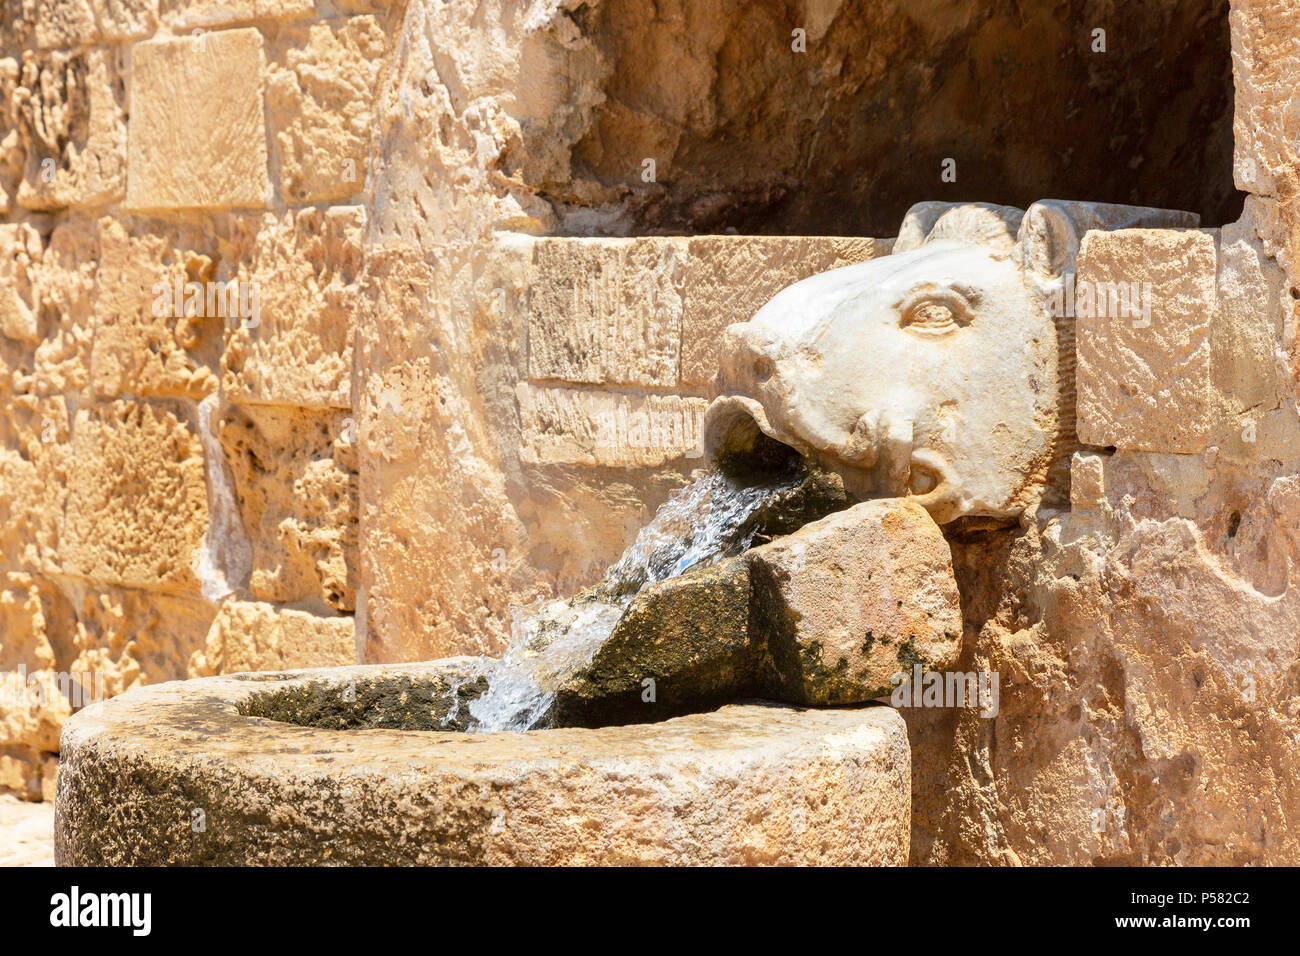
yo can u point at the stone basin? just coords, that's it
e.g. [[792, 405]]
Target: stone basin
[[187, 773]]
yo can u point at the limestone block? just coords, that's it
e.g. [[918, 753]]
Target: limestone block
[[137, 499], [145, 345], [13, 155], [252, 636], [1254, 414], [1087, 482], [295, 479], [1143, 381], [590, 427], [189, 15], [606, 311], [74, 23], [437, 421], [62, 360], [1264, 121], [729, 278], [304, 267], [855, 599], [70, 109], [35, 457], [46, 325], [320, 87], [181, 154]]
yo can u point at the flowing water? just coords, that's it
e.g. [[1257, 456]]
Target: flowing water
[[707, 520]]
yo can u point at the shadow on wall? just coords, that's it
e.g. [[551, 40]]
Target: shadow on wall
[[748, 134]]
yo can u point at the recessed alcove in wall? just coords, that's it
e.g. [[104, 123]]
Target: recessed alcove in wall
[[748, 134]]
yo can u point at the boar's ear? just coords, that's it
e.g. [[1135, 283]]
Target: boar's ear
[[979, 223], [1053, 228], [918, 222]]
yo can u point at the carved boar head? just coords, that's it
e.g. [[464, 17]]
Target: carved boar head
[[938, 371]]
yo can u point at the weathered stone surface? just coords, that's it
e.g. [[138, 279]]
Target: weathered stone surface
[[131, 636], [70, 109], [1143, 379], [253, 636], [189, 15], [729, 278], [35, 462], [1111, 744], [1254, 412], [1087, 482], [607, 311], [304, 267], [144, 346], [1263, 125], [65, 643], [36, 623], [853, 600], [137, 500], [182, 157], [569, 426], [73, 23], [21, 249], [320, 86], [744, 785], [295, 478], [46, 308]]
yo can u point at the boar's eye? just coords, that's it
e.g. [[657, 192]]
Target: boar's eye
[[936, 314]]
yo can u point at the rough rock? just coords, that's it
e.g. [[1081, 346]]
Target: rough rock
[[294, 473], [35, 624], [320, 87], [46, 346], [71, 112], [851, 603], [297, 350], [144, 346], [689, 636], [137, 504]]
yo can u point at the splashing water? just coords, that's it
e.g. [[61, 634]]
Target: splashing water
[[709, 519]]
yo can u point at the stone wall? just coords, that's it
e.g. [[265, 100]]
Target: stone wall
[[178, 483]]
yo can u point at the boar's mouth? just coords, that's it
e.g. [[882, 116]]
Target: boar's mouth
[[742, 443]]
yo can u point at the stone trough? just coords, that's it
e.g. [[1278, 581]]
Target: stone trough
[[333, 766]]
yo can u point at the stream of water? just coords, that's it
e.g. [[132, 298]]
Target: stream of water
[[701, 523]]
